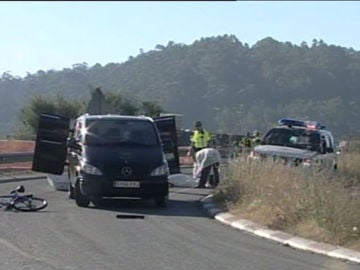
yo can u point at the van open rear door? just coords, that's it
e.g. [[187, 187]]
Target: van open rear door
[[50, 146], [167, 128]]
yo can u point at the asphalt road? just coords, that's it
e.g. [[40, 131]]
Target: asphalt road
[[134, 234]]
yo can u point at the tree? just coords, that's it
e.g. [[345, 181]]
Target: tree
[[151, 108], [29, 116], [119, 105]]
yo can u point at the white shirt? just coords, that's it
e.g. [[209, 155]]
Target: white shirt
[[206, 157]]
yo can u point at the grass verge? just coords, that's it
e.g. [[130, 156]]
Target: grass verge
[[316, 204]]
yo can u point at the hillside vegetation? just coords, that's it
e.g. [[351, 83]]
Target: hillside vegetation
[[231, 86]]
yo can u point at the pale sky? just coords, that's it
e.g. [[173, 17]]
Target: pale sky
[[58, 34]]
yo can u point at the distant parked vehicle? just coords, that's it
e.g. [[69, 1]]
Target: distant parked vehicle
[[298, 143]]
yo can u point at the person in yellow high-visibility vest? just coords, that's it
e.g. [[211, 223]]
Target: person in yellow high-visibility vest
[[256, 139], [199, 140]]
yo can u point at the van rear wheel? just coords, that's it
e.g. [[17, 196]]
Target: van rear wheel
[[80, 199]]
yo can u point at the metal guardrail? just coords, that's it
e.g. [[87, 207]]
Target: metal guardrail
[[28, 156], [16, 157]]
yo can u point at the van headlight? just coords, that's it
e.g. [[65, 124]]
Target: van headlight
[[90, 169], [161, 170]]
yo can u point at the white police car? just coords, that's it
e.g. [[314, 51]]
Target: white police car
[[298, 142]]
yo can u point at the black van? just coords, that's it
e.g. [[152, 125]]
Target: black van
[[109, 155]]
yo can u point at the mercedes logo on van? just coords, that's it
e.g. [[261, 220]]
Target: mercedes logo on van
[[126, 171]]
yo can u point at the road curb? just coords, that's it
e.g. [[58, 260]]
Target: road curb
[[17, 178], [278, 236]]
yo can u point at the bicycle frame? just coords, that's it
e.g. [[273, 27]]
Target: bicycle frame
[[9, 200], [8, 203], [12, 197]]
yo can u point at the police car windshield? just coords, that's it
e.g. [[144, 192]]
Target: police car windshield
[[113, 131], [296, 138]]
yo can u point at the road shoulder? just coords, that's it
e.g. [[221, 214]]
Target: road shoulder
[[285, 239]]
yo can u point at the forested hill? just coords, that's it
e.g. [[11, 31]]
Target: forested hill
[[230, 86]]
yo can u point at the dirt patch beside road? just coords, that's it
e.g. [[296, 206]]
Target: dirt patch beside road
[[11, 146], [14, 146]]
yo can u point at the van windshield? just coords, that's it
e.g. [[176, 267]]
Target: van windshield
[[296, 138], [123, 131]]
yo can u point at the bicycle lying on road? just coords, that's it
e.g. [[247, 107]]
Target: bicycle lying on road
[[24, 203]]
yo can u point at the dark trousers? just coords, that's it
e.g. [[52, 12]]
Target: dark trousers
[[205, 174]]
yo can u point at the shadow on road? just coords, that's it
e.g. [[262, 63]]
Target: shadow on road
[[187, 204]]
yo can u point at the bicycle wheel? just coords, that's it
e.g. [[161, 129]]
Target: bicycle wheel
[[29, 204], [5, 200]]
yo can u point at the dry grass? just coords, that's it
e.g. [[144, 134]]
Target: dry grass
[[349, 166], [321, 205]]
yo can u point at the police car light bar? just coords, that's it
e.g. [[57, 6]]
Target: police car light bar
[[292, 122], [300, 123]]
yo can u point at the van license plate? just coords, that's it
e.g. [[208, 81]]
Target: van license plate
[[127, 184]]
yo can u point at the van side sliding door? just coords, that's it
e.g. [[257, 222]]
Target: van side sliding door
[[167, 128], [51, 144]]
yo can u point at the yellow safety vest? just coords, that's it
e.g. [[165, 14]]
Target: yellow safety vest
[[201, 139], [256, 141]]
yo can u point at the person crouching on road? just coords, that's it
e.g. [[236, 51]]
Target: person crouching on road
[[207, 159]]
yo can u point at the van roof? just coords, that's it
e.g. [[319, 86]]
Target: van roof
[[115, 116]]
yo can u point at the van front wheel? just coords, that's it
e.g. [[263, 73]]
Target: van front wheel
[[80, 199]]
